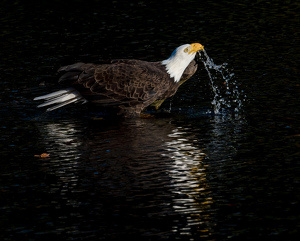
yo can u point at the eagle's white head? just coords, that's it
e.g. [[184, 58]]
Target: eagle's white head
[[180, 59]]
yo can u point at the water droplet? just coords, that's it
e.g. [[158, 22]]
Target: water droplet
[[226, 92]]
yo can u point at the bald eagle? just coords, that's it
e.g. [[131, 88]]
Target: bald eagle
[[127, 85]]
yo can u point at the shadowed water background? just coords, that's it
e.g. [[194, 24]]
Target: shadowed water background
[[187, 174]]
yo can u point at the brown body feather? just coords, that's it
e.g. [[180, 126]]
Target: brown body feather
[[128, 85]]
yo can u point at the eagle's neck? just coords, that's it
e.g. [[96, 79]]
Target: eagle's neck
[[175, 65]]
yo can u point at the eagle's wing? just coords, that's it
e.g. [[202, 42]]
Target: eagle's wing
[[131, 82]]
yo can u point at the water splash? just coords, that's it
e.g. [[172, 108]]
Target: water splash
[[227, 95]]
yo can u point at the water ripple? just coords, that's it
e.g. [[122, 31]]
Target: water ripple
[[164, 179]]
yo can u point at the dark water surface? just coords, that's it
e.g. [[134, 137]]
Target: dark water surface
[[184, 175]]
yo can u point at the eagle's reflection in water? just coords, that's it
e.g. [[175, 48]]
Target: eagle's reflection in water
[[143, 177]]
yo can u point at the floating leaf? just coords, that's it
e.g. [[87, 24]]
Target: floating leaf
[[43, 155]]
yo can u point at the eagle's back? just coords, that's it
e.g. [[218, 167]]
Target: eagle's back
[[130, 85]]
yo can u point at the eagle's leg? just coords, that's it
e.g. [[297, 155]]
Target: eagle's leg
[[146, 116], [156, 104]]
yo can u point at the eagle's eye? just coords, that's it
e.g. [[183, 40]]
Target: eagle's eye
[[186, 50]]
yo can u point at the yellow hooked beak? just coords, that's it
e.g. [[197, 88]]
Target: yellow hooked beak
[[196, 47]]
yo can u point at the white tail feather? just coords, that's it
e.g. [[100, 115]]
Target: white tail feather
[[63, 104], [54, 94], [60, 98]]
